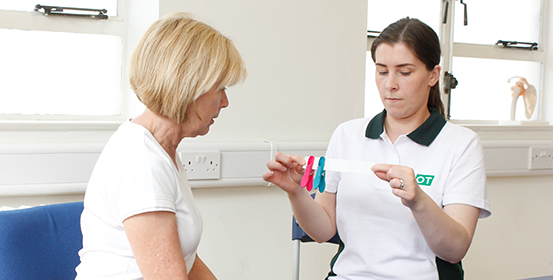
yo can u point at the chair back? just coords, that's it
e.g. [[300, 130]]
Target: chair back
[[299, 236], [40, 242]]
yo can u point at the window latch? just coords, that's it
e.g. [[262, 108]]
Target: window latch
[[465, 17], [372, 33], [446, 10], [450, 82], [517, 45], [60, 11]]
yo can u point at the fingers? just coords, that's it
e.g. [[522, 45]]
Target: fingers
[[285, 171], [381, 167], [397, 183], [276, 166], [289, 160], [388, 172], [399, 177], [267, 176], [284, 162]]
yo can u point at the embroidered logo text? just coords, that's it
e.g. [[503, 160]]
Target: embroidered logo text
[[424, 180]]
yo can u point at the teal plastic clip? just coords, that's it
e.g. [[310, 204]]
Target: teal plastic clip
[[319, 179]]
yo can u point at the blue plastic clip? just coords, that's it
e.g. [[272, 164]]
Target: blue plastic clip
[[319, 180]]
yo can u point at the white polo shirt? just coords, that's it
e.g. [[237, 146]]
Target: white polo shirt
[[381, 238], [133, 175]]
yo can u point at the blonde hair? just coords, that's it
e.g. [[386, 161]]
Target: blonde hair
[[177, 60]]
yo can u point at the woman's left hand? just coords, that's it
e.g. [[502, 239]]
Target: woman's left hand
[[456, 222], [402, 180]]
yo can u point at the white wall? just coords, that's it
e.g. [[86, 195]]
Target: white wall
[[546, 113], [306, 63], [306, 74], [515, 242]]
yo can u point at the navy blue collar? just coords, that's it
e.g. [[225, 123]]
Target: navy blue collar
[[424, 134]]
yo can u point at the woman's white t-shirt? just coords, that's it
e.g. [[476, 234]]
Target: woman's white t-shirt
[[133, 175], [381, 238]]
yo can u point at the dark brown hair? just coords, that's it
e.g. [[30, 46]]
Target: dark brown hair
[[422, 41]]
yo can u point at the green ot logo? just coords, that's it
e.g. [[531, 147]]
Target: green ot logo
[[424, 180]]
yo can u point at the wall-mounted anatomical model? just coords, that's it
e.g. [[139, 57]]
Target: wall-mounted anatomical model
[[528, 93]]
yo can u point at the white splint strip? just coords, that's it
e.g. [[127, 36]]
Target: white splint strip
[[343, 165]]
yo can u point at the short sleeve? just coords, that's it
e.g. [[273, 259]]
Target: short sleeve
[[332, 178], [466, 183], [148, 184]]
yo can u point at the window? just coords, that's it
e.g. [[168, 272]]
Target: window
[[26, 5], [58, 67], [471, 54]]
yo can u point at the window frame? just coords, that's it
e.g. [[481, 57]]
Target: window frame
[[494, 52], [36, 21], [452, 49]]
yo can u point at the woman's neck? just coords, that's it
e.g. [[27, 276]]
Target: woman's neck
[[403, 126], [167, 133]]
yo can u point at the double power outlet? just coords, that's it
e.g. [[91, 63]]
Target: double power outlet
[[541, 158], [202, 165]]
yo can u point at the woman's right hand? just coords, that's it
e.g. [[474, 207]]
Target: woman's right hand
[[317, 217], [286, 172]]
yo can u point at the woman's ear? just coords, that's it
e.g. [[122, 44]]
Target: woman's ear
[[435, 75]]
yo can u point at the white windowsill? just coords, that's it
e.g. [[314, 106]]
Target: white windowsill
[[57, 125]]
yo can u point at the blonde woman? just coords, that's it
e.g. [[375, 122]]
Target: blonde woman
[[140, 220]]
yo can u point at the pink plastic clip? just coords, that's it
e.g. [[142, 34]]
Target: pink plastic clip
[[307, 179]]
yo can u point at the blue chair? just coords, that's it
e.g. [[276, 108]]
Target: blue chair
[[299, 236], [40, 242]]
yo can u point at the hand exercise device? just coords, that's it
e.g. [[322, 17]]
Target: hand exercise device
[[316, 167]]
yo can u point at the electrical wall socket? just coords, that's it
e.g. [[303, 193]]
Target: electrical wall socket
[[541, 158], [201, 165]]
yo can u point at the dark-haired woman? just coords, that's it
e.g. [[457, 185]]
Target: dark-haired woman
[[419, 210]]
